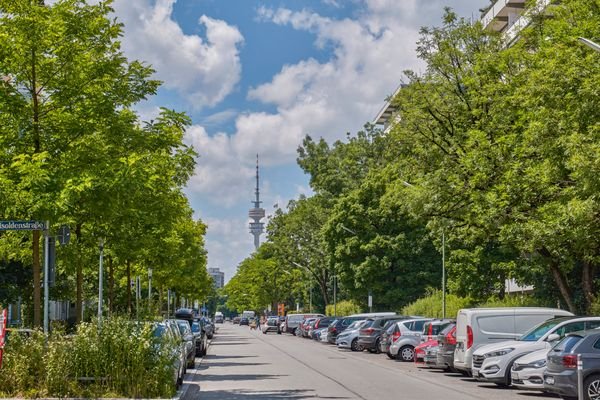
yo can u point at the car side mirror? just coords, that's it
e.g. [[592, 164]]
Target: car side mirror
[[553, 337]]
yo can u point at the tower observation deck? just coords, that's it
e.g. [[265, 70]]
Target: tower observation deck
[[257, 213]]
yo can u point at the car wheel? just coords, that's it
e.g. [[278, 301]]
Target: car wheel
[[278, 332], [377, 346], [390, 355], [209, 336], [265, 332], [591, 387], [406, 353], [354, 346]]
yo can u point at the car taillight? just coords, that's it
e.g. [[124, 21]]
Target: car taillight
[[367, 331], [570, 361], [451, 336], [430, 331], [396, 335], [469, 336]]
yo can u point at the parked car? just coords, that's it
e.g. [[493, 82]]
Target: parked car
[[305, 326], [317, 333], [476, 327], [200, 339], [370, 334], [272, 325], [386, 338], [208, 326], [446, 346], [173, 345], [293, 320], [405, 337], [244, 321], [339, 325], [188, 339], [561, 369], [219, 317], [493, 362], [421, 349], [428, 349], [349, 338], [236, 320], [527, 372], [321, 323]]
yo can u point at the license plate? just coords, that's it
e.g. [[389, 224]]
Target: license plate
[[550, 380]]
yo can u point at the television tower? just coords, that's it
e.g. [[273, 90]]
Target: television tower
[[256, 214]]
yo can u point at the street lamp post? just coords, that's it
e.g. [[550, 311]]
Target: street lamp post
[[334, 294], [589, 43], [100, 280]]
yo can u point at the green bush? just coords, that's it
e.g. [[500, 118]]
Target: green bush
[[513, 301], [431, 305], [345, 307], [122, 359]]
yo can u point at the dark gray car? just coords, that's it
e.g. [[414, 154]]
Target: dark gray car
[[446, 346], [561, 368], [370, 334]]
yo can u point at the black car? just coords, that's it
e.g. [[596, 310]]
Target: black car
[[244, 321], [338, 326], [200, 338], [370, 333], [561, 367]]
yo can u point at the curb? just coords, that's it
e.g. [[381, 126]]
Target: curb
[[181, 393]]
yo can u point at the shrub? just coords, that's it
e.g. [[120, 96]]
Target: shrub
[[121, 359], [513, 301], [431, 305], [345, 307]]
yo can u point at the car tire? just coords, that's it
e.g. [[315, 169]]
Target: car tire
[[377, 346], [390, 355], [354, 346], [406, 353], [278, 332], [591, 386]]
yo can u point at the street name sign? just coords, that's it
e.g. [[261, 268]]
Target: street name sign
[[22, 225]]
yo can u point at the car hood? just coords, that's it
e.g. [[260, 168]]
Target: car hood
[[533, 357], [519, 346]]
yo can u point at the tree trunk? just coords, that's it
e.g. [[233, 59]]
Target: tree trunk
[[79, 283], [587, 283], [559, 279], [37, 314], [129, 309]]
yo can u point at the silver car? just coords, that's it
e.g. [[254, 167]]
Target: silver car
[[348, 339], [405, 337]]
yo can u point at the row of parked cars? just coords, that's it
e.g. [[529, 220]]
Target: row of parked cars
[[189, 334], [530, 348]]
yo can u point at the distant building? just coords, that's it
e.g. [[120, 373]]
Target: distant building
[[217, 276], [508, 17]]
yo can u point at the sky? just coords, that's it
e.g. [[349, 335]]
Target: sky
[[257, 76]]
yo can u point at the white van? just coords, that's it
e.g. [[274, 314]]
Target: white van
[[478, 326]]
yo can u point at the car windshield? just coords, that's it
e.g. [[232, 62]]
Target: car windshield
[[159, 330], [535, 333]]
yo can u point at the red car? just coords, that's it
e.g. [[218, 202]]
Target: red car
[[421, 349]]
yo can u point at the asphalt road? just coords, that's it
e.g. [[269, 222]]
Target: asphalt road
[[245, 364]]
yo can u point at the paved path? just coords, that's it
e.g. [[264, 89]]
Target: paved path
[[244, 364]]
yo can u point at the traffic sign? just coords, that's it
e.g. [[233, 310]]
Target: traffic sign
[[22, 225]]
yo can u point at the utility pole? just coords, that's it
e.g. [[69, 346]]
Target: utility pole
[[100, 280], [46, 263]]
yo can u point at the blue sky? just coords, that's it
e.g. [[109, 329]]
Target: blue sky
[[256, 76]]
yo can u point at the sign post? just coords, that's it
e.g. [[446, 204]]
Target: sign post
[[3, 323]]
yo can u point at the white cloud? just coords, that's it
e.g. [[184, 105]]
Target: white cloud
[[220, 117], [204, 70]]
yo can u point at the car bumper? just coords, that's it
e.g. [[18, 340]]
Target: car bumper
[[344, 342], [528, 379], [564, 383], [367, 342]]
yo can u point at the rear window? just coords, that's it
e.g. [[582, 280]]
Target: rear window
[[447, 329], [419, 325], [567, 344], [437, 328]]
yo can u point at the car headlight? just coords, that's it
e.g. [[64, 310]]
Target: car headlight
[[539, 363], [498, 353]]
